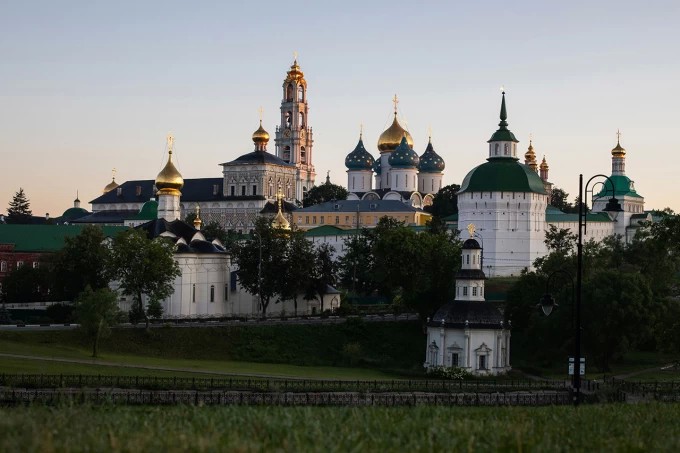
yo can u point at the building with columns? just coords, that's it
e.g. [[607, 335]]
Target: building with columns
[[469, 333]]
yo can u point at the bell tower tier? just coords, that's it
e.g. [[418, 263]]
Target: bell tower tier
[[293, 135]]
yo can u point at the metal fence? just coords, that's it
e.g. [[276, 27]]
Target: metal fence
[[50, 381], [659, 390], [193, 397]]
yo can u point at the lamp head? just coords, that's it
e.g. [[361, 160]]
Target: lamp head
[[547, 304], [613, 208]]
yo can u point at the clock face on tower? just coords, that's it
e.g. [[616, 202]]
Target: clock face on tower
[[286, 133]]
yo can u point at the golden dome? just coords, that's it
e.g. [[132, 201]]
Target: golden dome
[[169, 180], [618, 151], [260, 135], [544, 164], [110, 186], [390, 139], [294, 73]]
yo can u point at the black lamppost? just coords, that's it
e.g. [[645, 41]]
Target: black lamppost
[[612, 207]]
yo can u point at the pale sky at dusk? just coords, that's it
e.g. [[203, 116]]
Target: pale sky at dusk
[[86, 86]]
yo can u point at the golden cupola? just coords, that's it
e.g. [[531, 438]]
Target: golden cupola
[[530, 157], [113, 184], [294, 73], [544, 164], [618, 150], [261, 138], [391, 138], [169, 181]]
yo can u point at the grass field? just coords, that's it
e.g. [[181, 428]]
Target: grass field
[[642, 427]]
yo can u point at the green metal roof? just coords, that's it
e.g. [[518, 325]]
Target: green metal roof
[[45, 238], [502, 175], [554, 215], [329, 230], [149, 211], [451, 218], [623, 186]]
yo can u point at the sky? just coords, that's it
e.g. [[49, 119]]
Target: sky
[[88, 86]]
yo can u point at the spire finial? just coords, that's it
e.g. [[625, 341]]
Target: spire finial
[[197, 220], [618, 136], [429, 133], [295, 55], [361, 131], [171, 142], [328, 177], [504, 113], [113, 174], [260, 112], [395, 100]]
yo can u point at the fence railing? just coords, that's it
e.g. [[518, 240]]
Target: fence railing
[[48, 381], [661, 390], [194, 397]]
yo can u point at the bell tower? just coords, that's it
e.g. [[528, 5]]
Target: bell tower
[[293, 135]]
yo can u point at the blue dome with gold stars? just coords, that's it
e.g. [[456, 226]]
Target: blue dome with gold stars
[[430, 161], [359, 159], [377, 166], [403, 156]]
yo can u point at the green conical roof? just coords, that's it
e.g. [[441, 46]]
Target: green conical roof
[[503, 134]]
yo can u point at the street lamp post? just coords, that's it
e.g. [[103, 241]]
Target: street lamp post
[[613, 207]]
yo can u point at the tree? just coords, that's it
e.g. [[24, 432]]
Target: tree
[[445, 202], [19, 208], [324, 273], [143, 266], [96, 311], [324, 192], [558, 199], [262, 276], [298, 264], [82, 262], [26, 284]]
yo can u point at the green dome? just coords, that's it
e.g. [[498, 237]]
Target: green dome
[[74, 213], [623, 186], [149, 211], [430, 161], [377, 166], [502, 175], [403, 156], [359, 159]]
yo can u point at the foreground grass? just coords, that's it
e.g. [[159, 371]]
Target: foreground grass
[[643, 427]]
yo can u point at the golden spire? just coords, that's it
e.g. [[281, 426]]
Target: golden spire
[[112, 185], [618, 150], [169, 181], [197, 221], [280, 220]]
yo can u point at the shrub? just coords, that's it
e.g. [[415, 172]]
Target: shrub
[[449, 373]]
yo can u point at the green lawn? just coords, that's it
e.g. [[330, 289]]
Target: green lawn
[[13, 365], [640, 427]]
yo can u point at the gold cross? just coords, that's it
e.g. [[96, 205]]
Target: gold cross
[[260, 111], [429, 132], [618, 135], [171, 140], [113, 174], [395, 100]]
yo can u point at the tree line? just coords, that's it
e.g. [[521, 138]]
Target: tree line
[[631, 296]]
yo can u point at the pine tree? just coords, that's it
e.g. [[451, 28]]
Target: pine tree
[[19, 210]]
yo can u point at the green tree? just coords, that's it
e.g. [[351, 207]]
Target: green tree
[[298, 265], [19, 210], [445, 201], [558, 199], [26, 284], [82, 262], [262, 276], [357, 264], [143, 266], [324, 273], [96, 311], [324, 192]]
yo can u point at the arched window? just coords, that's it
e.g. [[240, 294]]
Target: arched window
[[301, 93], [303, 155], [289, 92], [212, 293], [505, 149], [301, 120], [288, 118], [3, 266], [286, 153], [496, 149], [193, 293]]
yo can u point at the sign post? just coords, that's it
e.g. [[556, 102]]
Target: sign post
[[582, 367]]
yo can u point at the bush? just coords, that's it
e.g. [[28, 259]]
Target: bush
[[449, 373], [60, 313]]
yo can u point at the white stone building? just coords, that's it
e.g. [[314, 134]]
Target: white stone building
[[469, 332]]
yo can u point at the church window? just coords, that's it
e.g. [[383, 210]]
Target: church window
[[396, 181], [301, 120], [314, 220], [455, 360], [271, 190], [482, 362], [346, 219], [496, 149], [337, 220], [353, 180], [193, 293], [474, 290], [226, 293], [3, 266], [307, 220], [254, 189], [322, 219], [19, 264], [289, 92], [288, 119], [464, 290], [286, 153], [481, 291], [233, 278], [505, 149], [467, 259], [301, 93], [243, 190], [501, 195], [35, 264], [212, 293], [233, 191], [303, 155]]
